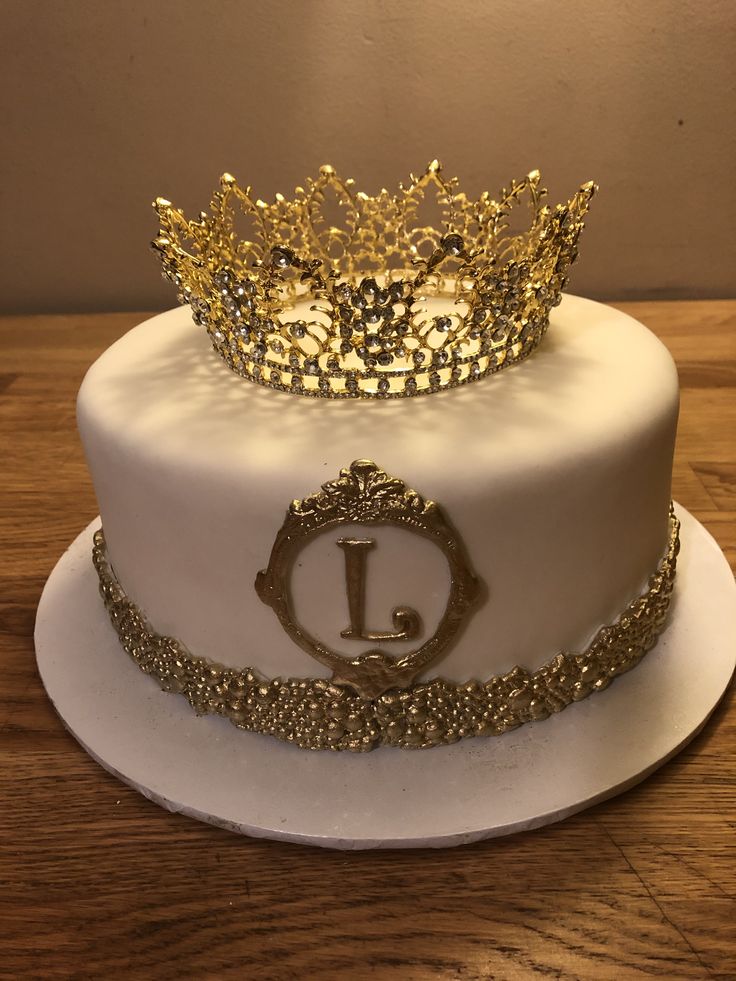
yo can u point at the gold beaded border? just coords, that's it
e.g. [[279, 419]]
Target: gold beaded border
[[318, 714]]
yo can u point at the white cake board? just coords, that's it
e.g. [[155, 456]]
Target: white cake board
[[390, 798]]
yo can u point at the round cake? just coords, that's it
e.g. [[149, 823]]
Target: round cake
[[554, 478], [427, 502]]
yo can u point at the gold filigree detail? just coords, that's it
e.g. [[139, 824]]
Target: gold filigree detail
[[366, 494], [318, 714], [368, 283]]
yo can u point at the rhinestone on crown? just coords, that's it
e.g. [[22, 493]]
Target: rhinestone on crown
[[377, 305]]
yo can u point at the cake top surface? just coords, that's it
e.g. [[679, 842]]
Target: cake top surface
[[163, 389]]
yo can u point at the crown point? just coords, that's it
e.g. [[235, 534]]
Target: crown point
[[534, 176], [326, 170], [161, 204], [435, 167], [227, 180]]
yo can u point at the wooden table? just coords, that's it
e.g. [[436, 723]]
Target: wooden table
[[99, 883]]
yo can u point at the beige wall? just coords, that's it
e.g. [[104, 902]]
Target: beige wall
[[104, 105]]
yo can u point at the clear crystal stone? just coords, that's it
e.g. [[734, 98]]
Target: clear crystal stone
[[443, 324], [383, 386], [311, 366], [369, 289], [385, 358], [371, 315], [419, 357], [452, 244], [298, 329], [281, 257], [410, 385]]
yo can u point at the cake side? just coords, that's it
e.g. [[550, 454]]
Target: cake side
[[555, 476]]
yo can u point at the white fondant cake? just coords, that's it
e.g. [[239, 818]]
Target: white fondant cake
[[555, 474]]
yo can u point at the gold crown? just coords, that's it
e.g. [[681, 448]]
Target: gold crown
[[379, 306]]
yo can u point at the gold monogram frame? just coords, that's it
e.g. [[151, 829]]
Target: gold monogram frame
[[365, 494]]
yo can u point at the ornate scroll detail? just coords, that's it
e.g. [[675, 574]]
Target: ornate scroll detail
[[366, 494], [318, 714]]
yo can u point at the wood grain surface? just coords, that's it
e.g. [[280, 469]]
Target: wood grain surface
[[97, 882]]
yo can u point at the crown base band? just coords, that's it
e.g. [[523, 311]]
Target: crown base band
[[319, 714]]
